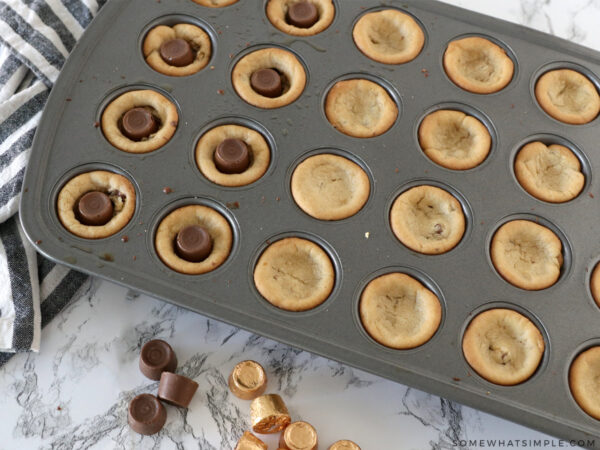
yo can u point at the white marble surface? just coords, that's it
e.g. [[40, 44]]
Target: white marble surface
[[74, 393]]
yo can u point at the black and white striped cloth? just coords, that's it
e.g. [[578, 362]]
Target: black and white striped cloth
[[36, 37]]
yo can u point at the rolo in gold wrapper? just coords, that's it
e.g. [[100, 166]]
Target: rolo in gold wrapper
[[344, 445], [299, 436], [269, 414], [247, 380], [250, 442]]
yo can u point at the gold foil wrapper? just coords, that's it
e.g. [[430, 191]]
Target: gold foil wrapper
[[250, 442], [344, 445], [299, 436], [268, 414], [247, 380]]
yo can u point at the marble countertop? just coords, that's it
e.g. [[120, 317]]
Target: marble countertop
[[74, 393]]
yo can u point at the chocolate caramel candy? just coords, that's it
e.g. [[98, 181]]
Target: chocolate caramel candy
[[177, 52], [232, 156], [268, 414], [146, 414], [299, 436], [94, 208], [250, 442], [247, 380], [193, 243], [138, 123], [157, 357], [176, 389], [267, 82], [303, 14]]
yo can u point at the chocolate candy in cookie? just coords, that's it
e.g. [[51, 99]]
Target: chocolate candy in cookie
[[94, 208], [157, 357], [193, 243], [302, 14], [146, 414], [232, 156], [138, 123], [267, 82], [177, 52]]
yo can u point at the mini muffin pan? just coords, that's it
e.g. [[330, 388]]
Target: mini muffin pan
[[108, 61]]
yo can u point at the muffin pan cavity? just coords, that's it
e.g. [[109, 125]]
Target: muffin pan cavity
[[261, 211]]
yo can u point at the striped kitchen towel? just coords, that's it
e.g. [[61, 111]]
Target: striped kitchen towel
[[36, 37]]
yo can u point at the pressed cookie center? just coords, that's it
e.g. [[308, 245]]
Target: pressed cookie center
[[387, 37], [505, 347], [454, 137], [94, 208], [400, 312], [193, 243], [232, 156], [302, 14], [139, 123], [267, 82], [571, 96], [177, 52], [477, 64]]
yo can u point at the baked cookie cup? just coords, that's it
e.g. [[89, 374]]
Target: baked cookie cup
[[185, 230], [232, 155], [301, 17], [294, 274], [215, 3], [177, 51], [551, 173], [269, 78], [139, 121], [428, 219], [454, 140], [360, 108], [568, 96], [527, 255], [595, 284], [478, 65], [503, 346], [399, 312], [330, 187], [584, 376], [388, 36], [96, 205]]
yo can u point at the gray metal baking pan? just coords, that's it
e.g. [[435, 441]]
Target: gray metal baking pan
[[108, 61]]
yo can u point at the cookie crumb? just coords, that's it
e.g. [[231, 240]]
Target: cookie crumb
[[167, 190], [233, 205], [96, 124], [124, 238], [68, 99], [134, 257], [367, 234], [278, 198], [220, 92], [591, 195], [38, 242], [58, 408], [397, 170], [456, 378], [425, 72], [212, 67]]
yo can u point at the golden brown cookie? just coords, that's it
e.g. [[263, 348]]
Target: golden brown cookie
[[360, 108], [454, 139], [389, 36], [399, 312], [197, 39], [212, 221], [595, 284], [162, 110], [294, 274], [330, 187], [550, 173], [216, 3], [293, 76], [277, 12], [260, 155], [527, 255], [344, 445], [584, 381], [427, 219], [503, 346], [478, 65], [568, 96], [119, 190]]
